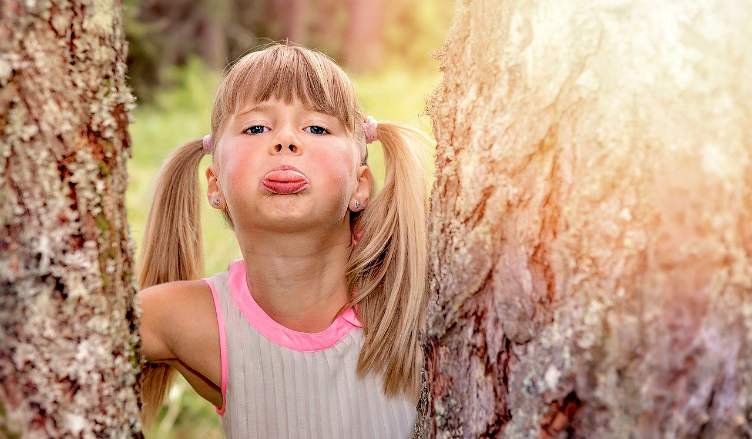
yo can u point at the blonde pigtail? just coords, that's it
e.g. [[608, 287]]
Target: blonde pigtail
[[172, 250], [389, 269]]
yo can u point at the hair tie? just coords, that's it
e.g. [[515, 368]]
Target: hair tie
[[207, 143], [370, 128]]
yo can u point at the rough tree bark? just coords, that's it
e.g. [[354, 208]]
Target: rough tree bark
[[68, 352], [592, 221]]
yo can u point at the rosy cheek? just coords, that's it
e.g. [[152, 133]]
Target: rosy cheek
[[239, 173], [337, 170]]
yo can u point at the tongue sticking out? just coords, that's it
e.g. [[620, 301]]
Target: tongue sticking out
[[285, 187], [285, 182]]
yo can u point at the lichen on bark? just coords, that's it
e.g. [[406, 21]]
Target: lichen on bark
[[68, 350], [590, 221]]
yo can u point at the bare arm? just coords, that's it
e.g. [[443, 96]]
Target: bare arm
[[178, 326], [154, 325]]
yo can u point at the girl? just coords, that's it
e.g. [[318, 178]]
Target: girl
[[315, 331]]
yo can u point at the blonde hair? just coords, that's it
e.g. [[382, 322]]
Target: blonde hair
[[386, 272]]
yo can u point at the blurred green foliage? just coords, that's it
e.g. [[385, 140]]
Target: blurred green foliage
[[181, 113], [165, 33]]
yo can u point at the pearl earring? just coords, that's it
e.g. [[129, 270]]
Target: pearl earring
[[215, 202]]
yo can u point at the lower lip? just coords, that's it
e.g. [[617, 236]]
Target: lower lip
[[285, 187]]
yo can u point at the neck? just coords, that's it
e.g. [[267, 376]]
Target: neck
[[298, 279]]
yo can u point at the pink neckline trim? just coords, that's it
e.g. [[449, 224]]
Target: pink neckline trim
[[278, 333]]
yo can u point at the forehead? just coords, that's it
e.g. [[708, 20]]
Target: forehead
[[272, 105]]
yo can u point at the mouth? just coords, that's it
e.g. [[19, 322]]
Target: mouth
[[284, 181]]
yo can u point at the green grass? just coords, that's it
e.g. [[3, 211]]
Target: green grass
[[181, 114]]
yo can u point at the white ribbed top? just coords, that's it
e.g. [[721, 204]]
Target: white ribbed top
[[280, 383]]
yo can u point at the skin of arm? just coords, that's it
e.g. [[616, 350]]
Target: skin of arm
[[178, 326]]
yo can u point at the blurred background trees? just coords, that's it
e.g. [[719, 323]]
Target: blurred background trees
[[360, 35], [177, 51]]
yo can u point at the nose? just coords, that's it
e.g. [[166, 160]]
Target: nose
[[286, 142], [291, 147]]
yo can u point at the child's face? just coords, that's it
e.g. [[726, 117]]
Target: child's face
[[255, 142]]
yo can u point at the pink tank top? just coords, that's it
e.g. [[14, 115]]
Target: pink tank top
[[281, 383]]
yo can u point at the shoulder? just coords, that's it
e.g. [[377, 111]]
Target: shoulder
[[174, 314]]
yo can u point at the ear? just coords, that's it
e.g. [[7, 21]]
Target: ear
[[362, 193], [362, 188], [213, 191]]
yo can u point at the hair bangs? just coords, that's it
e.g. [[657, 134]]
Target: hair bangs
[[287, 73]]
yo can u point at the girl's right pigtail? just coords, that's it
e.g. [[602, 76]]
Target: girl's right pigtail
[[171, 250], [388, 267]]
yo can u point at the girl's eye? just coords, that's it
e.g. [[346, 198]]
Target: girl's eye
[[254, 129], [315, 129], [259, 129]]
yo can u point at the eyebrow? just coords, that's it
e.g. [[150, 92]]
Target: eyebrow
[[257, 107], [263, 106]]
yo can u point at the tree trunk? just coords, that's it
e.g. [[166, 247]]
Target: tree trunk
[[364, 34], [291, 19], [212, 37], [592, 221], [68, 349]]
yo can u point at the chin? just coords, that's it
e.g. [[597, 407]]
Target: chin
[[292, 202], [286, 208]]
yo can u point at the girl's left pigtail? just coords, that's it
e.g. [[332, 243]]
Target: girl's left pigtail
[[171, 250]]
